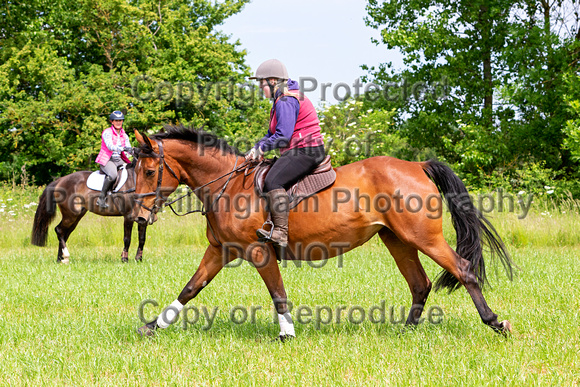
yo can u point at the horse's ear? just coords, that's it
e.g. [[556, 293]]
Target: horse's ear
[[144, 140]]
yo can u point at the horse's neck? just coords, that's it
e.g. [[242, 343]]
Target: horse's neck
[[199, 168]]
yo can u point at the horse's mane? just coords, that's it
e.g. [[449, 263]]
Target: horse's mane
[[205, 139]]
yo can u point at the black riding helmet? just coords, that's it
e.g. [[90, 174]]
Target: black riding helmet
[[116, 115]]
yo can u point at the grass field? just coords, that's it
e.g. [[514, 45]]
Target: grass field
[[75, 324]]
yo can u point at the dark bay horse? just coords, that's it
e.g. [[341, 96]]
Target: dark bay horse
[[400, 201], [74, 199]]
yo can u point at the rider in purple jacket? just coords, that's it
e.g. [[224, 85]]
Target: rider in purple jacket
[[295, 129]]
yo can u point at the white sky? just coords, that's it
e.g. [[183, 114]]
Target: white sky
[[324, 39]]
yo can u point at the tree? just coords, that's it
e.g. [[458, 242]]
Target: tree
[[503, 62], [64, 66]]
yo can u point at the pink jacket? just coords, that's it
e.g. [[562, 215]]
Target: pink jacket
[[120, 140]]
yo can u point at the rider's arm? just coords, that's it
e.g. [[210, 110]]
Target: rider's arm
[[108, 138], [286, 115]]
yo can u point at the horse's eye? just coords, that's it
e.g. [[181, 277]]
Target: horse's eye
[[150, 172]]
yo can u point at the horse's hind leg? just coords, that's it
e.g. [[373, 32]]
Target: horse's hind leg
[[461, 269], [63, 230], [410, 266]]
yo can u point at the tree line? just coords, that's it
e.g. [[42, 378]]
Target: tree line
[[507, 114]]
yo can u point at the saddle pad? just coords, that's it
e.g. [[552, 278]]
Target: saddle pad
[[322, 177], [97, 178]]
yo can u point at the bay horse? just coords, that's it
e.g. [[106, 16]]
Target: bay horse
[[401, 201], [74, 199]]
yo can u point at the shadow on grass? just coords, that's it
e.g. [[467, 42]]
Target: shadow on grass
[[266, 331]]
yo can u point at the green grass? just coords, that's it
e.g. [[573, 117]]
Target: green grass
[[75, 324]]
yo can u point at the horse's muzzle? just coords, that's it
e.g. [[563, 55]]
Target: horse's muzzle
[[146, 221]]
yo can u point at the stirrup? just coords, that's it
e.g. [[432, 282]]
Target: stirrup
[[261, 237], [102, 203]]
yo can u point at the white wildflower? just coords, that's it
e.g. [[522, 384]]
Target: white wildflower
[[521, 192], [549, 192]]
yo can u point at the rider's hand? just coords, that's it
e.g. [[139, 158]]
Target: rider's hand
[[128, 149], [255, 154]]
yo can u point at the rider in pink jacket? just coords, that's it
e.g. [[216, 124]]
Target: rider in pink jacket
[[114, 143]]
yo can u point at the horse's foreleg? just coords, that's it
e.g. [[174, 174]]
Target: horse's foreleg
[[264, 259], [410, 266], [142, 228], [128, 230], [211, 263]]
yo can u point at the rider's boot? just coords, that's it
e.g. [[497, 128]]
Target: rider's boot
[[107, 185], [278, 203]]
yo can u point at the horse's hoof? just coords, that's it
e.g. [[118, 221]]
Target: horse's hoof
[[139, 259], [506, 327], [124, 260], [124, 257], [283, 338], [64, 261], [146, 331]]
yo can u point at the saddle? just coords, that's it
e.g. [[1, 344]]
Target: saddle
[[322, 177], [96, 179]]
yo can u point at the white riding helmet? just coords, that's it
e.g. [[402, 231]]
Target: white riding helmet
[[271, 68]]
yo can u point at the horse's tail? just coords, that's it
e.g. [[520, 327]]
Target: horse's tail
[[473, 230], [45, 213]]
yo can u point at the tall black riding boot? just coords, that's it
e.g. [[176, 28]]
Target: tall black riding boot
[[278, 203], [107, 185]]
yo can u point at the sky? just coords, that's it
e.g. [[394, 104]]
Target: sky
[[323, 39]]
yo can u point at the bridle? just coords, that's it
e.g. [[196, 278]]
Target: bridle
[[159, 198], [158, 194]]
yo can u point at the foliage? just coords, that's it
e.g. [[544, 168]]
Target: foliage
[[354, 131], [64, 66], [572, 128], [495, 74]]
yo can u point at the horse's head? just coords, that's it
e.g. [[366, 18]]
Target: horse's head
[[155, 179]]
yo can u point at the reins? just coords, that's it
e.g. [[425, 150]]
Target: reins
[[159, 196], [203, 211]]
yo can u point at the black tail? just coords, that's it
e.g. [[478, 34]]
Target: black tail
[[45, 213], [474, 231]]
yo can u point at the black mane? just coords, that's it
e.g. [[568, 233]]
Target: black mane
[[205, 139]]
